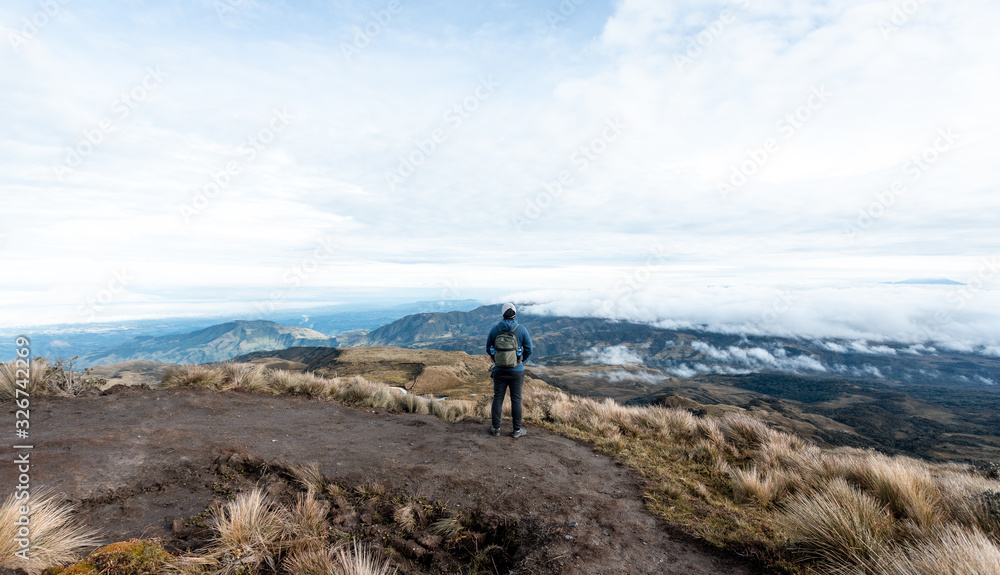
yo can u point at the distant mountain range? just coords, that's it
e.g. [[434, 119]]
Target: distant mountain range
[[215, 343], [67, 340], [633, 359], [646, 354]]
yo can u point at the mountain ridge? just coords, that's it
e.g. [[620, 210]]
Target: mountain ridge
[[214, 343]]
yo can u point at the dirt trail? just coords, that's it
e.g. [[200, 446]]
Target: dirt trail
[[136, 459]]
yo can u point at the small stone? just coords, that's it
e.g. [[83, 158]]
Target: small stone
[[568, 537], [409, 549], [572, 524], [430, 541]]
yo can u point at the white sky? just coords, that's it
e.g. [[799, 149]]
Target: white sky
[[691, 90]]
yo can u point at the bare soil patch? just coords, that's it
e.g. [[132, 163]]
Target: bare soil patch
[[149, 463]]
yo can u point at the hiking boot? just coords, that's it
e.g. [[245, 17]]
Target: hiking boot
[[519, 433], [494, 431]]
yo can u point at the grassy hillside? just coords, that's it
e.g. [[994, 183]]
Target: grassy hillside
[[930, 422]]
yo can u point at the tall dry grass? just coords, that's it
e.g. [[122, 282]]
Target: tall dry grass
[[337, 561], [951, 551], [355, 390], [256, 534], [838, 525], [307, 522], [55, 537], [193, 376], [843, 510], [12, 372], [251, 532], [309, 477]]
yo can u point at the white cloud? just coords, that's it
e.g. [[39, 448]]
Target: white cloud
[[861, 346], [757, 358], [919, 348], [865, 370], [683, 370], [687, 371], [612, 355], [832, 346], [622, 375]]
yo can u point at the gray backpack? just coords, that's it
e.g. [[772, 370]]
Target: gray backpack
[[508, 353]]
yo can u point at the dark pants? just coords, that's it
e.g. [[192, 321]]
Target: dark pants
[[501, 381]]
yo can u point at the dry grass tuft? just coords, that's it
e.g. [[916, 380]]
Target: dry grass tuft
[[251, 532], [312, 562], [384, 398], [193, 376], [281, 381], [763, 488], [447, 527], [244, 377], [307, 522], [357, 391], [336, 561], [903, 484], [12, 372], [362, 561], [406, 517], [334, 490], [309, 477], [839, 526], [452, 411], [744, 431], [953, 551], [411, 403], [56, 538], [371, 490]]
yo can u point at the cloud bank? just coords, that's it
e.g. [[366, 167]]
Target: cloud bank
[[853, 318]]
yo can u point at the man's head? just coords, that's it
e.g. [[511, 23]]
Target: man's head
[[508, 311]]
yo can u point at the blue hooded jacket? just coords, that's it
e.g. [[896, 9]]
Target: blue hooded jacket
[[523, 339]]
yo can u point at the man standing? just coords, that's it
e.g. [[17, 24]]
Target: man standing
[[509, 345]]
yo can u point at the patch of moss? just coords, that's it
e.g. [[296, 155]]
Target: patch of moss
[[133, 557], [81, 568]]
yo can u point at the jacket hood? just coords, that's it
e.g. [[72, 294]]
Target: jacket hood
[[508, 324]]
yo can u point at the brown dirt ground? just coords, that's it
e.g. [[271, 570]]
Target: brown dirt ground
[[136, 460]]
